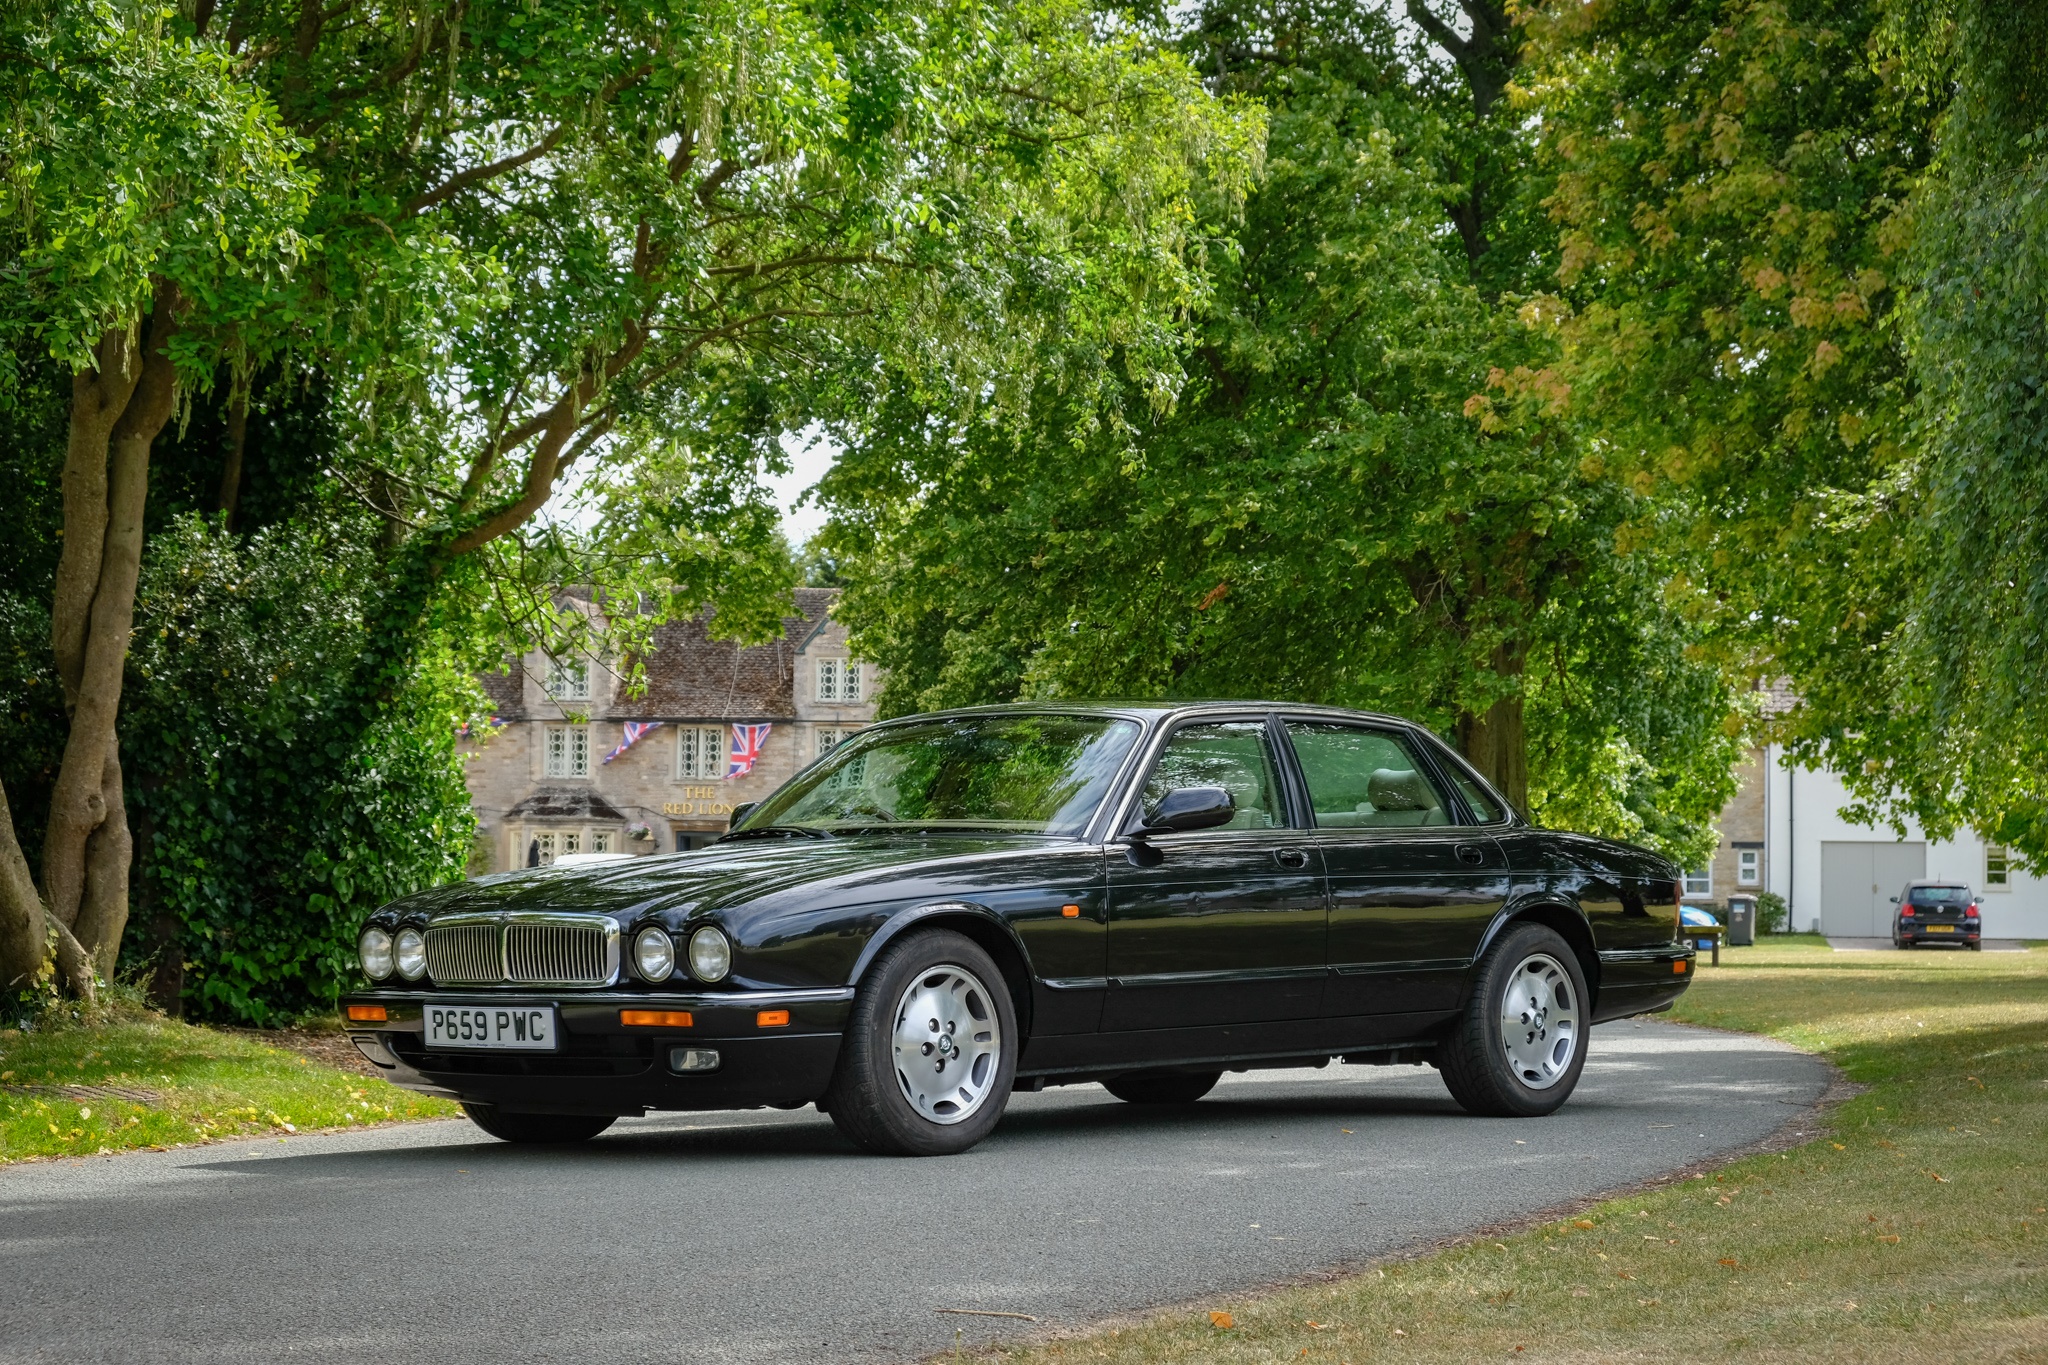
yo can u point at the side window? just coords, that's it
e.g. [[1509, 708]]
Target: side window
[[1364, 779], [1485, 809], [1231, 755]]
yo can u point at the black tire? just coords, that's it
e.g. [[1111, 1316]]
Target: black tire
[[1163, 1087], [1474, 1057], [510, 1125], [1977, 947], [870, 1096]]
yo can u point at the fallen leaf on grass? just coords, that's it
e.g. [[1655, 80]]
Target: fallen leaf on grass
[[1585, 1223], [1582, 1293], [1731, 1261], [1838, 1146], [1937, 1177], [1623, 1275], [1399, 1333], [1892, 1237], [1218, 1318]]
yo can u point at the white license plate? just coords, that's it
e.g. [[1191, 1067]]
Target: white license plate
[[528, 1028]]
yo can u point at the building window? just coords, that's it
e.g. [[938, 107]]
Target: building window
[[828, 740], [546, 844], [1699, 882], [1997, 868], [1748, 866], [601, 841], [568, 751], [572, 843], [838, 680], [700, 752], [569, 679]]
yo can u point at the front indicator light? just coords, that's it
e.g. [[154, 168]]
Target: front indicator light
[[1678, 967], [772, 1019], [654, 954], [693, 1059], [374, 951], [710, 955], [656, 1018], [410, 950], [366, 1014]]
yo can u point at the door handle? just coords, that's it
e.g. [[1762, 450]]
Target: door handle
[[1291, 857], [1471, 853]]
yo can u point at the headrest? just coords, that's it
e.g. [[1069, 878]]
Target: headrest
[[1399, 789]]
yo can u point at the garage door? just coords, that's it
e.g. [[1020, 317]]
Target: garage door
[[1857, 882]]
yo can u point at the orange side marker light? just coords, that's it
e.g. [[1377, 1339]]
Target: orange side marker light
[[1070, 911], [772, 1019], [1678, 967], [367, 1014], [656, 1018]]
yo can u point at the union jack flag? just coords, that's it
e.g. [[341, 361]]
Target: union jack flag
[[634, 729], [746, 747]]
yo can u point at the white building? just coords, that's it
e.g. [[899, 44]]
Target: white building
[[1839, 878]]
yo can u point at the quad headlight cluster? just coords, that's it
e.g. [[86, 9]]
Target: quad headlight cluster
[[709, 956], [381, 952]]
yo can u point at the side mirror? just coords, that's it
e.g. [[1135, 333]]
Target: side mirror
[[1895, 900], [1190, 808], [740, 813]]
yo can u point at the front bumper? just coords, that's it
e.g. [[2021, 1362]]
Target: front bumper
[[604, 1066]]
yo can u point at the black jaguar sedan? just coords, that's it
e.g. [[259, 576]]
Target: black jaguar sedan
[[955, 906]]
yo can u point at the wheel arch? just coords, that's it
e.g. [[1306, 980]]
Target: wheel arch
[[1553, 913], [987, 929]]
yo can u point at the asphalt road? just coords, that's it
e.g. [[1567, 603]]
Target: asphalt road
[[762, 1236]]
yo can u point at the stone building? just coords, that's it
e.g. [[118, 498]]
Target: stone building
[[574, 764]]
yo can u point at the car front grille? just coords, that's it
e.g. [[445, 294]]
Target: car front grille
[[524, 949]]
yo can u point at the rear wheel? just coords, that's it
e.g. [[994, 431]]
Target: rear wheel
[[510, 1125], [1519, 1045], [930, 1051], [1163, 1087]]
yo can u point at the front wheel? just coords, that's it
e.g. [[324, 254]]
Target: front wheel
[[1162, 1087], [930, 1049], [1519, 1044], [512, 1126]]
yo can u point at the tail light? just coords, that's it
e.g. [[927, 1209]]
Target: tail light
[[1971, 913], [1906, 911]]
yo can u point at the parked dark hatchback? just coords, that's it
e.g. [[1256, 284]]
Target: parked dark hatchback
[[1937, 912], [951, 907]]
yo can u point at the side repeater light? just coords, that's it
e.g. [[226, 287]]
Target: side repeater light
[[367, 1014], [1678, 967], [772, 1019], [656, 1018]]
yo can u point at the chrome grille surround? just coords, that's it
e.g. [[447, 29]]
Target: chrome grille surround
[[523, 948]]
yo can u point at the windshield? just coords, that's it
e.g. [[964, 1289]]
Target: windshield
[[1940, 895], [1030, 774]]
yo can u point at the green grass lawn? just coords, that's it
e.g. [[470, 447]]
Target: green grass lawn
[[161, 1083], [1916, 1231]]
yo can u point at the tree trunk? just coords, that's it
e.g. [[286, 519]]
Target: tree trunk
[[24, 945], [1496, 743], [87, 846]]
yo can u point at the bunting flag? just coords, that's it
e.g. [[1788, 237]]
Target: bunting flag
[[746, 747], [462, 730], [634, 729]]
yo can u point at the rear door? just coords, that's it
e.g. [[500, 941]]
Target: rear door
[[1413, 885], [1220, 926]]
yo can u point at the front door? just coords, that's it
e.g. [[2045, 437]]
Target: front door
[[1219, 926], [1412, 888]]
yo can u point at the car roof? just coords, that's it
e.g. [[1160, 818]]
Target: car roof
[[1938, 881], [1154, 709]]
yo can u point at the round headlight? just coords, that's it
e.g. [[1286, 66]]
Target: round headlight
[[710, 955], [654, 954], [411, 952], [374, 948]]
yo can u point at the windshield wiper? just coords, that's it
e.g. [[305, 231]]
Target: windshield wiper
[[776, 831]]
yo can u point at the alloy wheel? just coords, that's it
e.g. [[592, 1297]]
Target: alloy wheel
[[1539, 1021], [947, 1043]]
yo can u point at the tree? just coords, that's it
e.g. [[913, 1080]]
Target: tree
[[542, 236], [150, 198], [1324, 513]]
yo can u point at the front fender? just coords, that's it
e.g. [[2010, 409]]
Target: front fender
[[915, 916]]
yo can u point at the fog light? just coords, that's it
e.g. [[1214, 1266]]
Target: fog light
[[374, 950], [654, 954], [710, 955], [693, 1059], [411, 952]]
